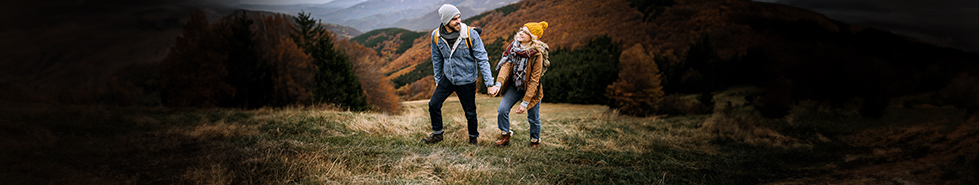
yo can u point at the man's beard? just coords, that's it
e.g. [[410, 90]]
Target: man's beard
[[454, 27]]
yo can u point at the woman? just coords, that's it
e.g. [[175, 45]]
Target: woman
[[519, 80]]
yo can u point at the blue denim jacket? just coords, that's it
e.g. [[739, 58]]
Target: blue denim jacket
[[461, 68]]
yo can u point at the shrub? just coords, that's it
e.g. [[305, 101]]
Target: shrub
[[677, 104], [962, 92], [749, 129]]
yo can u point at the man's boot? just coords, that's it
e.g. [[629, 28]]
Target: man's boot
[[432, 138]]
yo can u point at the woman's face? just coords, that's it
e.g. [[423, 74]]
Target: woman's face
[[523, 35]]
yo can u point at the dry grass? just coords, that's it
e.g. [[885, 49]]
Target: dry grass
[[384, 125], [749, 129], [322, 145], [220, 129], [302, 145]]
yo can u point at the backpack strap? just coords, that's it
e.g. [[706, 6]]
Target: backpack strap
[[435, 36], [469, 37], [469, 43]]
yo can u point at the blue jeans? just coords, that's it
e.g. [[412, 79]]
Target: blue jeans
[[510, 97], [467, 96]]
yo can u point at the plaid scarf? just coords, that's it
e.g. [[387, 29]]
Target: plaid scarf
[[518, 57]]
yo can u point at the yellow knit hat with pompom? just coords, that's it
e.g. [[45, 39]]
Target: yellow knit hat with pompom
[[536, 28]]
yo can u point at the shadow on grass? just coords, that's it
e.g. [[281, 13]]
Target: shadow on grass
[[107, 145]]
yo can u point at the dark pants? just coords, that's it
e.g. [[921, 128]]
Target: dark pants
[[467, 96]]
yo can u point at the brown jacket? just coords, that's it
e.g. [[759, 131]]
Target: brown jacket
[[534, 92]]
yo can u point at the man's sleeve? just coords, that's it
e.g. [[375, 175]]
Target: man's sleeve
[[482, 59], [436, 59]]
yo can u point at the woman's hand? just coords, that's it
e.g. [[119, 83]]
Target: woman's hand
[[493, 90], [521, 109]]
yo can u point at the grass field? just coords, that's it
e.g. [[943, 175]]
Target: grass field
[[45, 144]]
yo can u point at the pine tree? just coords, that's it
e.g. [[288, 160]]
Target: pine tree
[[306, 30], [250, 76], [336, 81]]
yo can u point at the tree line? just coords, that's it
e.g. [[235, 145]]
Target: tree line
[[251, 61]]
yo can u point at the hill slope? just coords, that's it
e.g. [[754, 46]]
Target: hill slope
[[795, 53], [388, 42]]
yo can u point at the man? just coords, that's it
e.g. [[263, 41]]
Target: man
[[457, 54]]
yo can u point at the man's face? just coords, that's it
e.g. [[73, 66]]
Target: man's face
[[456, 23]]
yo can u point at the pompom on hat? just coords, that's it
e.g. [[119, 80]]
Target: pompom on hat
[[536, 28]]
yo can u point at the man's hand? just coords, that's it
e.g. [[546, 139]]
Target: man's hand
[[521, 109], [493, 90]]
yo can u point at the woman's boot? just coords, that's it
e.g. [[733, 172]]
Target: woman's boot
[[504, 139]]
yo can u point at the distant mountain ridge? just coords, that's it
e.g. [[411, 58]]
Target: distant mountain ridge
[[293, 9], [429, 21], [374, 14], [340, 31]]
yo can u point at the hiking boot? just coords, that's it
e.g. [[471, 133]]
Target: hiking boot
[[534, 143], [504, 139], [432, 138], [472, 140]]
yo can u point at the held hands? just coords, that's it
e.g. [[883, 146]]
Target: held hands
[[521, 109], [493, 90]]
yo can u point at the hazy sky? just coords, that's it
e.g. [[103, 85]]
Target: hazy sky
[[282, 2], [950, 23]]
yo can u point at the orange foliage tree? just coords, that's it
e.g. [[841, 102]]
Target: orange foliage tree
[[378, 91], [221, 64], [421, 89], [638, 91], [294, 68], [194, 71]]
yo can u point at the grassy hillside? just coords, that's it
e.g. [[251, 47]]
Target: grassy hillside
[[342, 32], [384, 40], [46, 144], [390, 44], [703, 46]]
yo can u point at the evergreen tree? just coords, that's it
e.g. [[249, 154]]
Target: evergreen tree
[[581, 76], [336, 81], [702, 59], [251, 77], [306, 31]]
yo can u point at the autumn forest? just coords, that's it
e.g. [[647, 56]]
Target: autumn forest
[[637, 92]]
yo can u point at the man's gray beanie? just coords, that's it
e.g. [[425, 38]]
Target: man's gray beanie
[[446, 12]]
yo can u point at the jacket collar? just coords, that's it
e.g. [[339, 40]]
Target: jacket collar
[[464, 32]]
